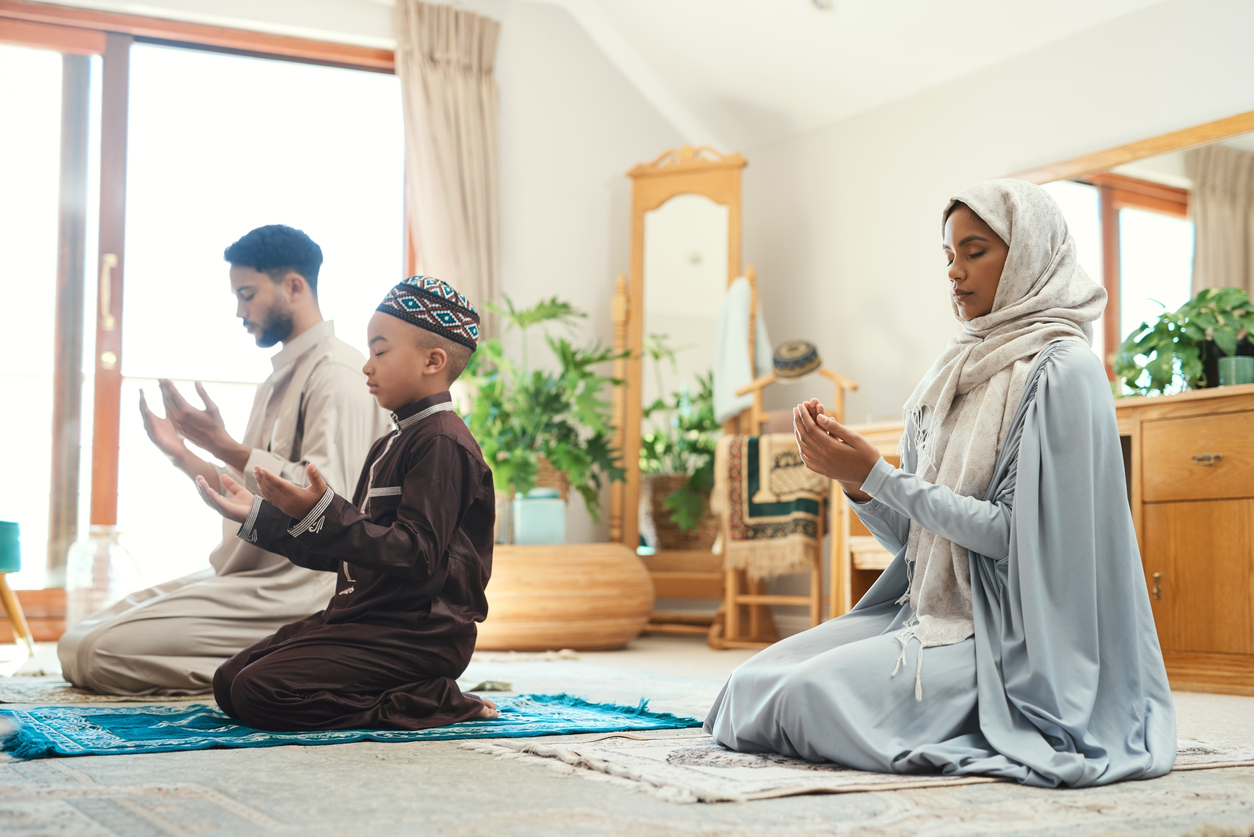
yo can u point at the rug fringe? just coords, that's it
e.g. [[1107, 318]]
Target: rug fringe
[[19, 745]]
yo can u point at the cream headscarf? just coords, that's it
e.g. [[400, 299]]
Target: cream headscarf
[[969, 396]]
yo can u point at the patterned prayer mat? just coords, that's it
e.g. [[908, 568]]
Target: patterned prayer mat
[[53, 691], [692, 768], [77, 731]]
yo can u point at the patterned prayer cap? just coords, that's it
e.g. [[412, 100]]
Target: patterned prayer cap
[[432, 304]]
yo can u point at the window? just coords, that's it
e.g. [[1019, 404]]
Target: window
[[118, 111], [1135, 238], [215, 149]]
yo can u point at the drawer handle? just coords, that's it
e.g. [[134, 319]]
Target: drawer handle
[[1207, 458], [1157, 592]]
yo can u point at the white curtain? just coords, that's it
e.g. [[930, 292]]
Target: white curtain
[[1222, 205], [444, 60]]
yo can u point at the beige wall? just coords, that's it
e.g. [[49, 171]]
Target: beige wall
[[571, 127], [843, 223]]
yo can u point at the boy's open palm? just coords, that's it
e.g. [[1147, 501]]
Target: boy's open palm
[[288, 497], [234, 505]]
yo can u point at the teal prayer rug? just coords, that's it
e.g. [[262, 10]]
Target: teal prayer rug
[[110, 730]]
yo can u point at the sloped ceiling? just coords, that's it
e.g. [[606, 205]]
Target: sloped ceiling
[[735, 74], [749, 72]]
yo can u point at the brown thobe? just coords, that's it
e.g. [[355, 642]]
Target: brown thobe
[[413, 553]]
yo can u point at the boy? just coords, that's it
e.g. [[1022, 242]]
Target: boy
[[412, 552]]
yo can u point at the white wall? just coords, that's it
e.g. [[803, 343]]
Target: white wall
[[843, 223], [571, 127]]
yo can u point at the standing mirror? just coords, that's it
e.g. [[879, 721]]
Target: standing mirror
[[685, 250]]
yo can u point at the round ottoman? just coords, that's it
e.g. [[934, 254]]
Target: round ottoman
[[589, 597]]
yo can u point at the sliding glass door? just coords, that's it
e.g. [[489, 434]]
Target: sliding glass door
[[48, 176]]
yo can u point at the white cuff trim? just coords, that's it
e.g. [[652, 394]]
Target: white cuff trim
[[314, 520], [247, 532]]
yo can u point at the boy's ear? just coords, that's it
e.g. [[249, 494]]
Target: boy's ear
[[437, 361]]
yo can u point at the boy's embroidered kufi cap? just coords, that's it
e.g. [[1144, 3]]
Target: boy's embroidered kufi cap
[[432, 304]]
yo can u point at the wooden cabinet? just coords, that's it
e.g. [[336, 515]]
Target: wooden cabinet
[[1190, 459]]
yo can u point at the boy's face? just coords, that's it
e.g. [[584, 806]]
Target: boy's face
[[399, 370]]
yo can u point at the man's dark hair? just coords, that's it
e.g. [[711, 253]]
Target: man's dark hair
[[278, 249]]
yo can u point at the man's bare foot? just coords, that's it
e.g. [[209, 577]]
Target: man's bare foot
[[488, 710]]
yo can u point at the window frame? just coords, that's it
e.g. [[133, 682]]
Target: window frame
[[1116, 192]]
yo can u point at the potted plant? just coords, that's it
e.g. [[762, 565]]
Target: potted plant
[[533, 420], [1182, 349], [677, 458]]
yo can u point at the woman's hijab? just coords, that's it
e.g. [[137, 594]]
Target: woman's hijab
[[969, 396]]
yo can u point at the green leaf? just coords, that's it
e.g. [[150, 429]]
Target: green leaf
[[687, 507], [1226, 340]]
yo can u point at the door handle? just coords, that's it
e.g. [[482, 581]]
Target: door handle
[[108, 261], [1207, 458], [1157, 590]]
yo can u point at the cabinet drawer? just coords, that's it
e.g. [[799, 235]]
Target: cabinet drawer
[[1175, 454]]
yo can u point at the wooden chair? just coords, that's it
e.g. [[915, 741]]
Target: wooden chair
[[747, 619], [11, 562]]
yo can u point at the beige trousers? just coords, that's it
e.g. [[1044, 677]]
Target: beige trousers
[[170, 639]]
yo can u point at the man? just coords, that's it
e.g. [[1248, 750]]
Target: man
[[314, 408]]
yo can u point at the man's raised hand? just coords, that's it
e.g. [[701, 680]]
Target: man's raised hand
[[203, 428], [161, 431], [234, 505], [288, 497]]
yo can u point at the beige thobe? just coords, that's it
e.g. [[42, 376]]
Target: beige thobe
[[169, 639]]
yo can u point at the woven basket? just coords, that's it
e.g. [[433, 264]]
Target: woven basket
[[669, 535], [550, 477]]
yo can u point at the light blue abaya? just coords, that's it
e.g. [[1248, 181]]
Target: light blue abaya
[[1062, 683]]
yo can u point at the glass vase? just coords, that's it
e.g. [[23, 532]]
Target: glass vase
[[99, 572]]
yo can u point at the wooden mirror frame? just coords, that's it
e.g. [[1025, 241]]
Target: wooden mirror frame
[[680, 171]]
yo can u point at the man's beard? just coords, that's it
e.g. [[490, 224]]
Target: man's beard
[[276, 327]]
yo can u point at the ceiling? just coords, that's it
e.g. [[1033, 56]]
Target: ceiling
[[748, 72], [735, 74]]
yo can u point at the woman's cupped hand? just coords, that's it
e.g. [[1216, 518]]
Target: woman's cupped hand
[[831, 449]]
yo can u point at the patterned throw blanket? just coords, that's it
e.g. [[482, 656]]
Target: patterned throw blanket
[[769, 503]]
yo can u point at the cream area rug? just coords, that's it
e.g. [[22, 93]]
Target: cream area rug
[[692, 768]]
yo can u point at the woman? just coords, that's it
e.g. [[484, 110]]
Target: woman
[[1011, 636]]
